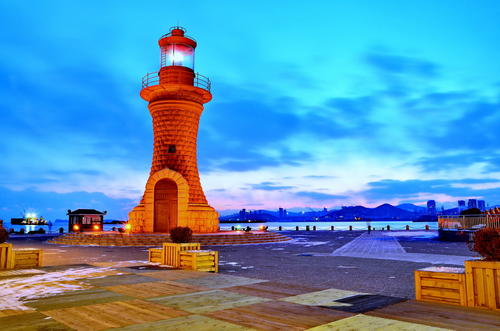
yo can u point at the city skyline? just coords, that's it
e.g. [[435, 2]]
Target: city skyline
[[338, 104]]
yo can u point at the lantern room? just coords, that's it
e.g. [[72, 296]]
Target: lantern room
[[177, 49]]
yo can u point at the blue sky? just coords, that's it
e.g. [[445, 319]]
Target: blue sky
[[321, 103]]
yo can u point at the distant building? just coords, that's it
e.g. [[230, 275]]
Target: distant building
[[282, 213], [85, 220], [431, 207], [481, 205], [325, 210], [461, 205], [472, 203]]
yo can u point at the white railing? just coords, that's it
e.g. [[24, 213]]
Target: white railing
[[468, 221]]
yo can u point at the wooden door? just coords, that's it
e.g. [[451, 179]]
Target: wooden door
[[165, 206]]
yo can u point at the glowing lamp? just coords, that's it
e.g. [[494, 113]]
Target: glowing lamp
[[177, 49], [96, 227], [128, 226], [76, 227]]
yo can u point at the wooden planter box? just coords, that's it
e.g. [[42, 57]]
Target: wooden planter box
[[6, 256], [441, 284], [200, 260], [156, 255], [171, 252], [27, 258], [483, 284]]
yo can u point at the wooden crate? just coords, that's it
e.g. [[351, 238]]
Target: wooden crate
[[171, 252], [156, 255], [6, 256], [200, 260], [441, 284], [483, 284], [27, 258]]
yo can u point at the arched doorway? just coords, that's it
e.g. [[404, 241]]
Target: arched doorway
[[165, 205]]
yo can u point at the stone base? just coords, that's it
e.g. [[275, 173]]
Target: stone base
[[199, 218], [202, 219]]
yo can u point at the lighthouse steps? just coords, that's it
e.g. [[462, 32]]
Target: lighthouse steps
[[142, 239]]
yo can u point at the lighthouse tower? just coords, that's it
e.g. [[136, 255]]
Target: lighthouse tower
[[176, 94]]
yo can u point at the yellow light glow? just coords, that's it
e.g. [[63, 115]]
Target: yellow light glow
[[96, 227], [128, 226], [76, 227]]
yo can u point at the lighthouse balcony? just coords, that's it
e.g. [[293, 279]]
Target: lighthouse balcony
[[153, 78]]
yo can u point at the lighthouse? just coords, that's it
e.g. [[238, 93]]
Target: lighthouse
[[173, 195]]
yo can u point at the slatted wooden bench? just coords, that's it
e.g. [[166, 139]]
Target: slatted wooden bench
[[27, 258], [441, 284], [200, 260]]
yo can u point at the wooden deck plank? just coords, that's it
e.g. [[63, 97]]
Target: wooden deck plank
[[76, 298], [31, 322], [322, 298], [279, 315], [207, 301], [216, 281], [112, 314], [372, 323], [191, 322], [154, 289], [272, 290], [120, 280], [440, 315]]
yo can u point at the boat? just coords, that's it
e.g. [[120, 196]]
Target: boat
[[29, 219]]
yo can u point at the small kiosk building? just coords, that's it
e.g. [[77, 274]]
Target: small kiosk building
[[85, 220]]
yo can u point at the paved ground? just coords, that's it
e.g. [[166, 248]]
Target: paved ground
[[134, 296], [306, 260]]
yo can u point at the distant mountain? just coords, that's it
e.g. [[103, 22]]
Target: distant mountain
[[412, 208], [383, 211]]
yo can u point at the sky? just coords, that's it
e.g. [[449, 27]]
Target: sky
[[315, 103]]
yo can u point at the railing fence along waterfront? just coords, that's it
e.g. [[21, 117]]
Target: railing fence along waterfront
[[468, 221]]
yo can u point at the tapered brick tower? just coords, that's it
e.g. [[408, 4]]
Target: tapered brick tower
[[173, 195]]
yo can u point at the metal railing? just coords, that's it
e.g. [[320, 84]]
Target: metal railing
[[200, 81], [180, 28], [468, 221]]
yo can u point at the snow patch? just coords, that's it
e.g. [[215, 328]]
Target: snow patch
[[416, 234], [19, 290]]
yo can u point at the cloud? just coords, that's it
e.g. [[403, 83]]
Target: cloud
[[318, 196], [404, 189], [53, 205], [401, 65], [270, 186]]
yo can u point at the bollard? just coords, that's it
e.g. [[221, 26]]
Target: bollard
[[232, 228], [279, 228], [369, 229], [297, 228], [427, 227], [314, 227], [332, 228], [307, 227], [388, 228], [350, 227], [407, 228]]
